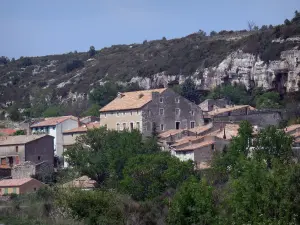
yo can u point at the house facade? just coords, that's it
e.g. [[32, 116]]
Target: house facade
[[55, 127], [151, 110], [19, 186], [15, 150]]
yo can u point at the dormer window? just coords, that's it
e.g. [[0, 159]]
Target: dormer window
[[161, 100]]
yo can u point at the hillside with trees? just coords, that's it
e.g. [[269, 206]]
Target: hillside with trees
[[74, 82]]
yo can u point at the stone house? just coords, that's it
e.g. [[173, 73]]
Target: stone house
[[19, 186], [212, 104], [55, 127], [157, 109], [83, 183], [15, 150]]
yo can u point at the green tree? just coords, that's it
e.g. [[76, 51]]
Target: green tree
[[92, 51], [213, 33], [19, 132], [190, 91], [268, 100], [102, 95], [287, 22], [53, 111], [148, 176], [272, 143], [14, 113], [102, 153], [93, 110], [93, 207], [193, 204]]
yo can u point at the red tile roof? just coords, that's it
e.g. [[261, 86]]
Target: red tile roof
[[292, 127], [83, 128], [14, 182], [131, 100], [7, 131], [170, 132], [53, 121], [195, 146], [229, 109], [201, 129], [20, 139]]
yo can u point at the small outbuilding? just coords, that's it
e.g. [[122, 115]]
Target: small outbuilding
[[19, 186]]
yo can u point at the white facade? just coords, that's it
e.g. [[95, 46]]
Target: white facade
[[184, 155], [57, 132]]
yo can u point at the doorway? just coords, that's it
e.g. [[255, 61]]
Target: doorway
[[177, 125], [131, 126]]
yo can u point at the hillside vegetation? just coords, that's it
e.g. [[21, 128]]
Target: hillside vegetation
[[49, 81]]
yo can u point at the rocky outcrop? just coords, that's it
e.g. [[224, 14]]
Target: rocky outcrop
[[240, 68]]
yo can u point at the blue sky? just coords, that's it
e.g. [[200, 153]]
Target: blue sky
[[44, 27]]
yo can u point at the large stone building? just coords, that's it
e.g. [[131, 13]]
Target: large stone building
[[15, 150], [149, 110], [55, 127]]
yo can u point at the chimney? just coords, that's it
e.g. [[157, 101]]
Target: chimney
[[78, 121], [120, 95]]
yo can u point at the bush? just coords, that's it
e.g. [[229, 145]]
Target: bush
[[74, 64]]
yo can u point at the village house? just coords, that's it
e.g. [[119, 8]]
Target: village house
[[19, 186], [55, 127], [157, 110], [18, 149], [199, 144]]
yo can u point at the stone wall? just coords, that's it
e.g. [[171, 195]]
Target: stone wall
[[258, 118]]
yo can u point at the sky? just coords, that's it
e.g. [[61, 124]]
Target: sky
[[45, 27]]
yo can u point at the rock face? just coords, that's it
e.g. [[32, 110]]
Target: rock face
[[240, 68]]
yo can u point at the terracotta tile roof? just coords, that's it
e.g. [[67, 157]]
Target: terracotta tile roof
[[20, 139], [201, 129], [195, 146], [131, 100], [81, 182], [7, 131], [53, 121], [14, 182], [83, 128], [185, 140], [231, 130], [170, 132], [229, 109], [291, 128]]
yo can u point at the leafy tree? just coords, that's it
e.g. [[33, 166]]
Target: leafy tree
[[193, 204], [190, 91], [287, 22], [19, 132], [92, 51], [74, 64], [268, 100], [213, 33], [93, 110], [296, 19], [4, 60], [237, 94], [14, 113], [147, 176], [93, 207], [201, 33], [102, 154], [272, 143], [26, 61], [53, 111]]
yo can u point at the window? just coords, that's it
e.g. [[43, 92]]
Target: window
[[104, 115], [3, 161], [177, 112], [177, 100], [192, 124], [137, 112], [161, 111], [212, 146], [149, 112], [17, 148], [130, 112], [39, 157], [53, 128], [131, 126], [124, 126], [192, 113], [138, 126], [162, 128], [118, 127], [34, 189], [118, 114], [177, 125], [161, 100], [124, 113]]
